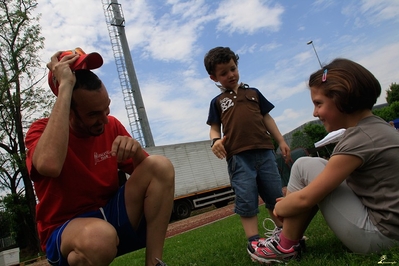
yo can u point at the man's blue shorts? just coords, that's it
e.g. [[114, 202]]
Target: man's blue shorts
[[253, 173], [114, 213]]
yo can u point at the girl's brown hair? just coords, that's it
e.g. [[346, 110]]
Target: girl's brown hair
[[351, 86]]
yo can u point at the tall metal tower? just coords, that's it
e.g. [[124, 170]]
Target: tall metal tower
[[134, 104]]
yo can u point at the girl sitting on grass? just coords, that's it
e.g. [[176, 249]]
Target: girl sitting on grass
[[357, 190]]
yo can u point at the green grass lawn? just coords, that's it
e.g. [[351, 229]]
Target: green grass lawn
[[224, 243]]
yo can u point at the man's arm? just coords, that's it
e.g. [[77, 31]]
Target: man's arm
[[126, 147], [50, 152]]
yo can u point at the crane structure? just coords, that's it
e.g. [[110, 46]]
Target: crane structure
[[137, 116]]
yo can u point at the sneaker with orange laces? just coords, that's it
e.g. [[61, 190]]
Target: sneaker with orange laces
[[269, 251]]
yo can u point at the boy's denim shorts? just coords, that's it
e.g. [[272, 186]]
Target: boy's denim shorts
[[114, 213], [253, 173]]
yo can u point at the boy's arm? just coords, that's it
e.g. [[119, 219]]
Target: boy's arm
[[275, 132], [215, 131], [218, 145]]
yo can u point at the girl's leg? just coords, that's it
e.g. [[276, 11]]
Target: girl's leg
[[342, 209]]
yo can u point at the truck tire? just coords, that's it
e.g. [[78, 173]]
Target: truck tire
[[221, 204], [182, 209]]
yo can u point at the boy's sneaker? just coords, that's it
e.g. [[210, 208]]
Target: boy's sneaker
[[160, 263], [269, 250]]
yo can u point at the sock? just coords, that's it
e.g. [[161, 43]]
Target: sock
[[253, 238], [287, 243]]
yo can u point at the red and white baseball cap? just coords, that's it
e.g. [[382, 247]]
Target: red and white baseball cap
[[85, 61]]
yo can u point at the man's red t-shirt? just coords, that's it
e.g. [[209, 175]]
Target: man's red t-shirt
[[89, 177]]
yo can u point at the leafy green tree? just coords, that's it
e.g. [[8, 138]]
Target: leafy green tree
[[18, 216], [315, 132], [300, 140], [307, 137], [5, 228], [388, 113], [392, 93], [21, 96], [395, 109]]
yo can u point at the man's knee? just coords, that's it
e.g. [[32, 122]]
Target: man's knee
[[100, 230], [161, 167], [96, 243]]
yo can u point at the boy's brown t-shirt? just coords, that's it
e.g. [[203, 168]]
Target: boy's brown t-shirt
[[241, 116]]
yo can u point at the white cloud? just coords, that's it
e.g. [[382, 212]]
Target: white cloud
[[380, 10], [172, 36], [381, 63], [247, 17], [168, 40]]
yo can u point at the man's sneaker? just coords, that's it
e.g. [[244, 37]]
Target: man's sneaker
[[160, 263], [269, 251]]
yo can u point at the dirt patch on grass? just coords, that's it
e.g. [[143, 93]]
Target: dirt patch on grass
[[198, 220]]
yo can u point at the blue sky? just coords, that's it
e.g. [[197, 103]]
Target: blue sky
[[168, 40]]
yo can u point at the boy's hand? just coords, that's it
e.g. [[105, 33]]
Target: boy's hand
[[286, 152], [218, 148]]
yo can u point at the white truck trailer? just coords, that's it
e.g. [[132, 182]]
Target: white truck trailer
[[201, 178]]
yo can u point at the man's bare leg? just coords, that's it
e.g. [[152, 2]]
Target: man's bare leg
[[150, 191], [89, 241]]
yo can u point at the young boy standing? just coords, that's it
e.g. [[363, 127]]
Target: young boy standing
[[246, 142]]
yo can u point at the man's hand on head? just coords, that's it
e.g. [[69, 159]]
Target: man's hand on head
[[61, 68]]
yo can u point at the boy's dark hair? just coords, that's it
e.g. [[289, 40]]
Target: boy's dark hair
[[351, 86], [218, 55], [87, 80]]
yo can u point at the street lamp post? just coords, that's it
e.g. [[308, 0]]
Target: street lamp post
[[318, 59]]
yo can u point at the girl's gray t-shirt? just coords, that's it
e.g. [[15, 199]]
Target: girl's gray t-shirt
[[376, 180]]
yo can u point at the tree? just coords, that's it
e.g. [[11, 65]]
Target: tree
[[395, 109], [20, 97], [315, 132], [307, 137], [392, 93], [388, 112], [18, 216], [300, 140]]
